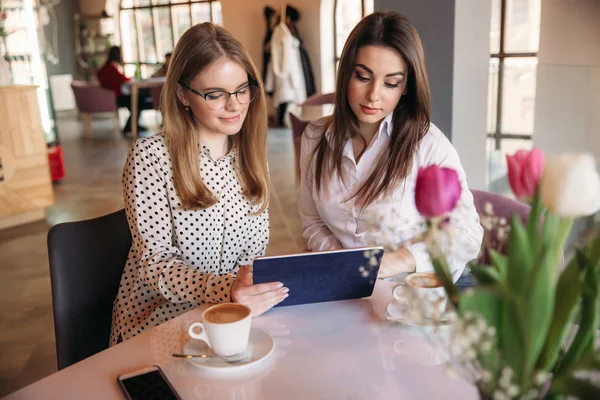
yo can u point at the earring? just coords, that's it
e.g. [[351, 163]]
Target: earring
[[188, 108]]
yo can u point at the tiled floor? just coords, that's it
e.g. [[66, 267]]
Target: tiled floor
[[92, 188]]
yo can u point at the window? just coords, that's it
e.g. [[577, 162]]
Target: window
[[346, 14], [514, 42], [151, 28]]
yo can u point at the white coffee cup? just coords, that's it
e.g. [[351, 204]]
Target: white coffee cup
[[427, 296], [225, 328]]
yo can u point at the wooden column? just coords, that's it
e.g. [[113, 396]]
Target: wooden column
[[25, 182]]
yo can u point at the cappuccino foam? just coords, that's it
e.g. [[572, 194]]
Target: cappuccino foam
[[226, 314]]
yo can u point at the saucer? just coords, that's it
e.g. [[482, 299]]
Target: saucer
[[398, 312], [260, 344]]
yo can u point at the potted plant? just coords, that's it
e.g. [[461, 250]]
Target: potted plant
[[526, 331]]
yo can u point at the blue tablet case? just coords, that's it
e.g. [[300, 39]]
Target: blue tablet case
[[321, 276]]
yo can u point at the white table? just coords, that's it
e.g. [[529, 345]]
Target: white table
[[338, 350], [135, 86]]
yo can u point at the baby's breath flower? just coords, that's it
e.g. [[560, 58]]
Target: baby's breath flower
[[373, 261], [473, 333], [486, 376], [505, 381], [498, 395], [451, 372], [485, 346], [488, 208], [532, 394], [513, 390], [541, 377]]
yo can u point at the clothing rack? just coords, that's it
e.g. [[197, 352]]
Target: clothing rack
[[282, 14]]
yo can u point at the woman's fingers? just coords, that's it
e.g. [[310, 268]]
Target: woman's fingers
[[244, 276], [262, 302], [261, 288]]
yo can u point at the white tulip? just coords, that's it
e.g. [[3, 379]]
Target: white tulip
[[570, 185]]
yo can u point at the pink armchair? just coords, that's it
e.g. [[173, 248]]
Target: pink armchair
[[298, 125], [90, 99]]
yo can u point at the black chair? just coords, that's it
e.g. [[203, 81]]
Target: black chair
[[87, 259]]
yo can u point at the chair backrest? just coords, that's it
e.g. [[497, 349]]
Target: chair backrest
[[504, 207], [87, 259], [92, 98], [298, 127], [155, 92], [319, 98]]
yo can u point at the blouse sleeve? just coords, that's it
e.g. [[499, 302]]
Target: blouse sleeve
[[160, 265], [464, 241], [316, 234], [257, 246]]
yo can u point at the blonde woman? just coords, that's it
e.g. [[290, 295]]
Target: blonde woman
[[197, 194]]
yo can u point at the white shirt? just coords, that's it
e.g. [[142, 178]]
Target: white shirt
[[331, 221], [180, 259]]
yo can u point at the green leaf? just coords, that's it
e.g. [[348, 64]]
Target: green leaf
[[568, 384], [593, 251], [550, 231], [482, 302], [520, 256], [485, 274], [539, 306], [440, 266], [500, 262], [582, 389], [586, 334], [533, 220], [485, 303], [568, 294], [511, 336]]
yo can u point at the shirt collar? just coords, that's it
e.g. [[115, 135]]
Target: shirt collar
[[386, 126], [230, 154]]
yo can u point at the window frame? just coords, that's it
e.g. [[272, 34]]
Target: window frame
[[336, 58], [156, 33], [501, 56]]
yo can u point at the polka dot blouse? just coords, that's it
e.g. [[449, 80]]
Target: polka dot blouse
[[180, 259]]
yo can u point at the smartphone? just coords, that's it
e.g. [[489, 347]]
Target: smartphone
[[147, 384]]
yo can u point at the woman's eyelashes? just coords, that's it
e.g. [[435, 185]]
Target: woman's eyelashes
[[387, 84]]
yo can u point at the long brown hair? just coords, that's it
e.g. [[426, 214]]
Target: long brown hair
[[200, 46], [411, 117]]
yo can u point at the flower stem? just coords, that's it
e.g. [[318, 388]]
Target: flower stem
[[563, 230]]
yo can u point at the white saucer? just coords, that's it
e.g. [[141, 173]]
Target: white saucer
[[260, 343], [398, 312]]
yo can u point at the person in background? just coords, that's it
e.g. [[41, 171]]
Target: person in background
[[162, 71], [111, 77], [360, 165], [197, 194]]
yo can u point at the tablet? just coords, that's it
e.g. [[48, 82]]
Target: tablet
[[316, 277]]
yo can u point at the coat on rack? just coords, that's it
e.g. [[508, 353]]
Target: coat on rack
[[285, 76]]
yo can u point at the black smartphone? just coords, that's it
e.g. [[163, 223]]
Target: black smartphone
[[147, 384]]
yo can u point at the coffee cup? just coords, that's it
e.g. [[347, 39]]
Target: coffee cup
[[426, 294], [225, 328]]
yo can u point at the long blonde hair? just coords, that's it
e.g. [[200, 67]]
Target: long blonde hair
[[200, 46]]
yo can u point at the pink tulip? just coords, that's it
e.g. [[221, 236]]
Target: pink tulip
[[525, 170], [437, 191]]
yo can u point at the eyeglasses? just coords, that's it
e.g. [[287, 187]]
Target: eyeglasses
[[216, 99]]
